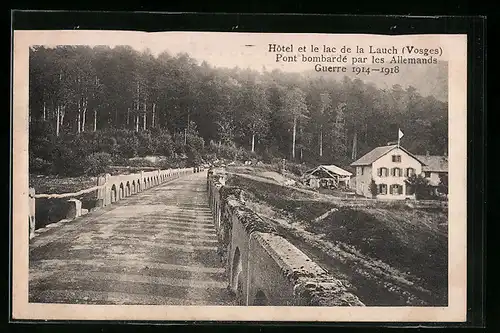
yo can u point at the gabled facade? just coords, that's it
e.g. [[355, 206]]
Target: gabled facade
[[388, 167], [435, 167]]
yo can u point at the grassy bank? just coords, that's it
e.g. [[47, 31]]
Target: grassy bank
[[392, 255]]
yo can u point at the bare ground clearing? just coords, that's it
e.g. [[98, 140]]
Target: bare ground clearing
[[390, 255]]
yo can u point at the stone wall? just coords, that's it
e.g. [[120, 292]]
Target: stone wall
[[262, 267]]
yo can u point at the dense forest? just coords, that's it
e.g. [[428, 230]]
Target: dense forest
[[124, 103]]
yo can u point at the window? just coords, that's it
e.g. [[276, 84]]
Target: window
[[410, 172], [396, 189], [396, 158], [427, 174], [382, 189], [396, 172], [362, 170], [382, 172]]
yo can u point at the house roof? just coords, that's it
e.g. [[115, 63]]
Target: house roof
[[337, 170], [378, 152], [434, 163], [332, 169]]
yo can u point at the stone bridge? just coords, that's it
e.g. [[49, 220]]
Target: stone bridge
[[262, 267], [174, 237]]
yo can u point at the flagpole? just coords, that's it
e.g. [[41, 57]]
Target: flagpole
[[399, 130]]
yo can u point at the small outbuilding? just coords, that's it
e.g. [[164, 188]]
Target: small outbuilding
[[327, 176]]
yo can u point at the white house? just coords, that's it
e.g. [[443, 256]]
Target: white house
[[388, 166]]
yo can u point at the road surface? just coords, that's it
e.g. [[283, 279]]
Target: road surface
[[155, 247]]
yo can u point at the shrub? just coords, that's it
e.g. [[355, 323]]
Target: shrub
[[129, 146], [193, 157], [245, 155], [373, 188], [118, 160], [420, 186], [195, 142], [141, 163], [443, 184], [227, 152], [38, 165], [145, 144], [97, 163], [297, 169], [163, 144], [267, 157], [66, 162]]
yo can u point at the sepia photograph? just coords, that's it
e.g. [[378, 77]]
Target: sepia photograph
[[280, 170]]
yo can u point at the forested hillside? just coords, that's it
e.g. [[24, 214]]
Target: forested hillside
[[125, 103]]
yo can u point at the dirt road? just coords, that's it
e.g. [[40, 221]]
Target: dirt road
[[156, 247]]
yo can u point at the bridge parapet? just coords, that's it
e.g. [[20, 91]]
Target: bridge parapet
[[262, 267], [108, 189]]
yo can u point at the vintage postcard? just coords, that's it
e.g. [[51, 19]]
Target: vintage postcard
[[239, 176]]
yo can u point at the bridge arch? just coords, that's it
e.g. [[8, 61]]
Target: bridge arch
[[260, 299], [121, 192], [128, 191], [113, 193], [145, 184], [236, 276], [138, 185], [134, 189]]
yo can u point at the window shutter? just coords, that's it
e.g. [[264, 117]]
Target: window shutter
[[407, 172], [390, 189]]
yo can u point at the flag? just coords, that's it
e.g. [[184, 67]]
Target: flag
[[400, 134]]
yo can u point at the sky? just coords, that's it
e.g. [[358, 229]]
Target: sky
[[231, 49]]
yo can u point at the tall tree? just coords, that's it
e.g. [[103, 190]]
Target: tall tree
[[295, 104]]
